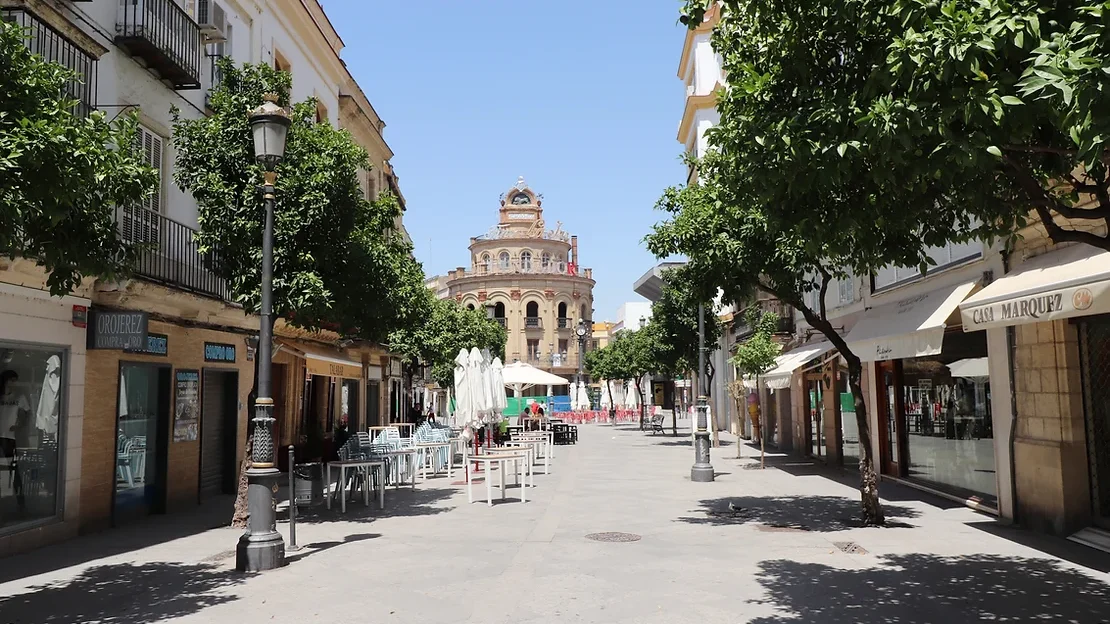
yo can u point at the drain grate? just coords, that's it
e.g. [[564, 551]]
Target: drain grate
[[613, 537], [782, 528], [851, 548]]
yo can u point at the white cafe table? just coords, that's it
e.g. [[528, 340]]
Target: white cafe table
[[428, 452], [356, 465], [500, 460], [405, 461], [533, 448]]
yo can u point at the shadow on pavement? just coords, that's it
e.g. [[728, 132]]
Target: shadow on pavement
[[213, 514], [926, 589], [124, 594], [1049, 544], [308, 550], [399, 502], [811, 513]]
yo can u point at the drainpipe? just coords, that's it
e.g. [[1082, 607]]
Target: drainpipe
[[1011, 348]]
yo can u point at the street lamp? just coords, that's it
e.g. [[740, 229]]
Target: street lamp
[[261, 546], [580, 331], [702, 470]]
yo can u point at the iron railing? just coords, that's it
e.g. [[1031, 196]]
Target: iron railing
[[564, 323], [162, 33], [53, 47], [780, 309], [215, 77], [168, 253], [533, 322], [502, 321]]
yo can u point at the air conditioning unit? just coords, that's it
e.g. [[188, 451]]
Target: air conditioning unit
[[212, 21]]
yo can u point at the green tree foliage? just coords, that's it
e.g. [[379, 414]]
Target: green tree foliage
[[437, 337], [338, 259], [599, 364], [674, 322], [61, 175], [756, 355]]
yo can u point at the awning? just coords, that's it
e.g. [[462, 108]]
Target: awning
[[970, 368], [327, 364], [912, 327], [785, 364], [1074, 281]]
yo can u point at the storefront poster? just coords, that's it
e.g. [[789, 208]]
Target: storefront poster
[[186, 412]]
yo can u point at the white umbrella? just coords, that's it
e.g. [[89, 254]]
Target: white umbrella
[[631, 397], [464, 403], [520, 376], [497, 374], [479, 385], [606, 396]]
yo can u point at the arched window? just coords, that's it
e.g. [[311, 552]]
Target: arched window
[[532, 310], [485, 263], [583, 312], [499, 310], [503, 261], [470, 306], [525, 261], [559, 262], [563, 310], [545, 260]]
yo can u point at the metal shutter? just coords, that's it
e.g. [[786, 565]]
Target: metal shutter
[[212, 433]]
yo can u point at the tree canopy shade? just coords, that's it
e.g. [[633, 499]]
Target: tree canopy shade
[[436, 337], [338, 260], [62, 175], [674, 322]]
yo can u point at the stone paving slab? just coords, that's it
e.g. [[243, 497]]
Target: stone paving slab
[[430, 557]]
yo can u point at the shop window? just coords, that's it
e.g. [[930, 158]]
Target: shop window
[[142, 430], [32, 390]]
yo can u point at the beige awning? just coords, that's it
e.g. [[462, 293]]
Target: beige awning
[[785, 364], [325, 363], [909, 328], [1070, 282]]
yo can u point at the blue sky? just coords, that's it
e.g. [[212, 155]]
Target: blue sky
[[581, 98]]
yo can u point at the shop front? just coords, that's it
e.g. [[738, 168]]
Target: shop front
[[781, 423], [329, 393], [1055, 309], [935, 423], [42, 362], [165, 417]]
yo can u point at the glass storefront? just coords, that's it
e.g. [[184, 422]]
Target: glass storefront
[[849, 428], [816, 417], [947, 417], [32, 389], [1095, 344], [142, 430]]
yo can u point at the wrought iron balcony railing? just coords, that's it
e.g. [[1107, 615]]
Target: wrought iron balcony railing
[[168, 253], [502, 321], [163, 35], [54, 47], [564, 323], [533, 322]]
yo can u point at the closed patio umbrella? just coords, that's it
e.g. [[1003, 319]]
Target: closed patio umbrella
[[464, 404], [500, 401]]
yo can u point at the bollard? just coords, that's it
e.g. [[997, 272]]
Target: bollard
[[292, 503]]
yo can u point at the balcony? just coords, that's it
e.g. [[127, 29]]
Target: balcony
[[214, 77], [161, 35], [52, 46], [564, 323], [785, 317], [168, 253], [533, 322], [502, 321]]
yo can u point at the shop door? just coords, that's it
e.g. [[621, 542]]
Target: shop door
[[1095, 344], [349, 404], [142, 436], [815, 427], [891, 418], [373, 403], [219, 411]]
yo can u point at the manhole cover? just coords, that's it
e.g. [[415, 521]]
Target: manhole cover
[[613, 537], [781, 528], [851, 548]]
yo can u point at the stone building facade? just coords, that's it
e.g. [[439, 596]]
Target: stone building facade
[[529, 276]]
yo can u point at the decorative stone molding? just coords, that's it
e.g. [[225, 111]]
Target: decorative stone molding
[[514, 294]]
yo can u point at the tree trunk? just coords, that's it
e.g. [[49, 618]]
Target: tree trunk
[[738, 399], [612, 405], [716, 436], [869, 481], [640, 393], [242, 512]]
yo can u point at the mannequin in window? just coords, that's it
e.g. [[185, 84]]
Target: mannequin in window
[[46, 415], [14, 410]]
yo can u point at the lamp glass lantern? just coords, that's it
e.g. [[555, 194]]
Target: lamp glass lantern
[[270, 128]]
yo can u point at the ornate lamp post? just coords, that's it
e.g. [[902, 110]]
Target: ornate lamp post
[[702, 470], [261, 546], [580, 331]]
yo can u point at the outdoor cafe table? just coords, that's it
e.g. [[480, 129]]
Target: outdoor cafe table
[[546, 436], [532, 448], [405, 461], [427, 452], [500, 459], [357, 464]]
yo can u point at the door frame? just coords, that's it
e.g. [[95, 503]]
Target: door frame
[[161, 459], [812, 403], [234, 432], [887, 464]]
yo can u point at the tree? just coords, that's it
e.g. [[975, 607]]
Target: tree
[[338, 261], [441, 332], [62, 175], [598, 363], [618, 360], [754, 357], [674, 325]]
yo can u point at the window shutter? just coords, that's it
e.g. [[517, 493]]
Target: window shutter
[[143, 224]]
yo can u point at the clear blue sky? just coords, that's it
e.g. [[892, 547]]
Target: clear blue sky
[[581, 98]]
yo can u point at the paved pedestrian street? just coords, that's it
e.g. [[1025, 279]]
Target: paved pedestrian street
[[773, 545]]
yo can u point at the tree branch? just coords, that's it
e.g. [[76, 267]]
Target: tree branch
[[1044, 203], [825, 279], [1038, 149]]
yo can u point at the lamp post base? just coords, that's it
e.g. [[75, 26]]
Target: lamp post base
[[702, 470], [261, 547]]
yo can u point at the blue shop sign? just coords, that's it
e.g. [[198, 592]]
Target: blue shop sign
[[156, 344], [218, 352]]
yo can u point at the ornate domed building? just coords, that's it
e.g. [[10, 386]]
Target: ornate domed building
[[528, 276]]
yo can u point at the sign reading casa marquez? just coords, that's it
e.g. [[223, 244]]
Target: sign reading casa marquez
[[1032, 308]]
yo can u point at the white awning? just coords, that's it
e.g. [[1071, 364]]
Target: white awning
[[779, 377], [912, 327], [1074, 281], [969, 368]]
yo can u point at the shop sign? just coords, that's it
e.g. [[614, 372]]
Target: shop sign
[[186, 411], [117, 330], [332, 368], [394, 367], [219, 352], [373, 373], [156, 344], [1063, 303], [80, 316]]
